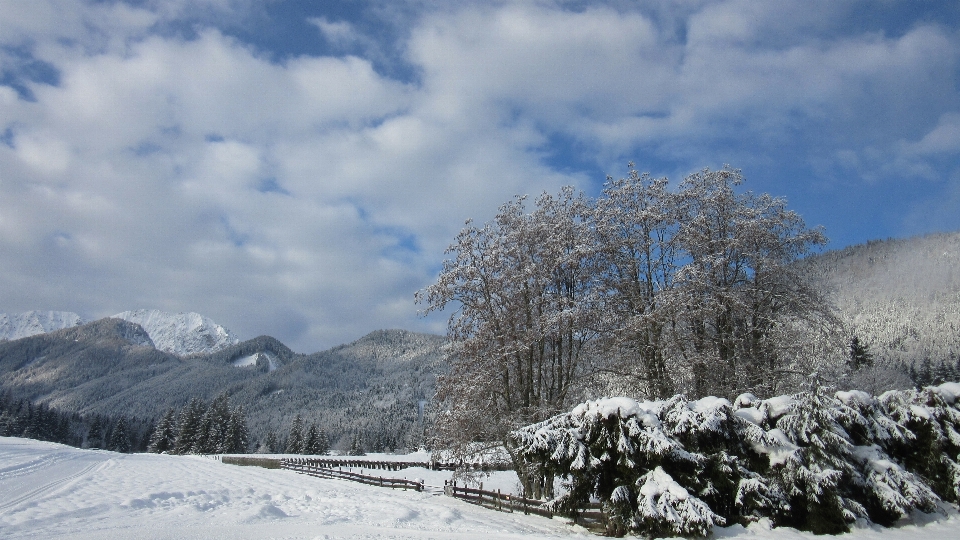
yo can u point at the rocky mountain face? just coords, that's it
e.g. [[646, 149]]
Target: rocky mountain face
[[182, 334], [21, 325]]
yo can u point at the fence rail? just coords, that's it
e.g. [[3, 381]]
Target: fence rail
[[333, 462], [329, 472], [591, 516]]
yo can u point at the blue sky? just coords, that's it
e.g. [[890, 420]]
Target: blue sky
[[297, 168]]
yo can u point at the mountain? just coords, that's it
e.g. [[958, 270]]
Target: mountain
[[182, 334], [373, 386], [899, 297], [82, 364], [20, 325]]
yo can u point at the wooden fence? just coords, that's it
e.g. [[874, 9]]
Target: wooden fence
[[329, 472], [590, 517], [334, 462]]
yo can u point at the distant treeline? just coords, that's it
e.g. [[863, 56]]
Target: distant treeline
[[24, 418], [930, 373], [201, 429], [310, 440]]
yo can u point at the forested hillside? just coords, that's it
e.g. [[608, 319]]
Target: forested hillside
[[371, 388], [900, 298]]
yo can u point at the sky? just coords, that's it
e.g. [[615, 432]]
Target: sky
[[297, 168]]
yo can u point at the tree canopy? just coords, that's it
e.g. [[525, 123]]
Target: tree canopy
[[686, 290]]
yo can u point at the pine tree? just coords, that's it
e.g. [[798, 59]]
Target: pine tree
[[215, 426], [7, 423], [188, 427], [356, 446], [120, 438], [820, 463], [933, 450], [860, 356], [310, 439], [323, 443], [271, 443], [604, 447], [28, 419], [95, 433], [164, 435], [238, 438], [295, 439]]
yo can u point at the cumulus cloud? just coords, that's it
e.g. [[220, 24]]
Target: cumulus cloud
[[309, 197]]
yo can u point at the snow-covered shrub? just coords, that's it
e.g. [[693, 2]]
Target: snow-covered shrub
[[812, 460], [727, 445], [665, 508], [604, 449], [933, 417], [813, 464], [889, 491], [829, 464]]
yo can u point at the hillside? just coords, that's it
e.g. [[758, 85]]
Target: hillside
[[900, 297], [372, 386]]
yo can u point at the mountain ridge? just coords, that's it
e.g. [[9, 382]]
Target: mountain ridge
[[110, 367], [31, 323], [183, 334]]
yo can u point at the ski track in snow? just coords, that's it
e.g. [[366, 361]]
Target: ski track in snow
[[53, 491]]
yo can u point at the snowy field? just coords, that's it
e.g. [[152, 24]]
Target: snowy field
[[53, 491]]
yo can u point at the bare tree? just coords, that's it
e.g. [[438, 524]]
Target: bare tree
[[636, 224], [518, 334], [739, 283]]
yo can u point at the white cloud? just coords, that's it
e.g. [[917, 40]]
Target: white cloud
[[942, 139], [310, 198], [339, 33]]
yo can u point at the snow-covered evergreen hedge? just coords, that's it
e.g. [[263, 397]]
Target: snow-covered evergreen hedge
[[813, 461]]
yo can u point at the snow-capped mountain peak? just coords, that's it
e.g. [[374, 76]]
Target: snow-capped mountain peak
[[30, 323], [181, 333]]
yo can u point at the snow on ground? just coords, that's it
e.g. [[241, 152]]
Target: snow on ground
[[53, 491]]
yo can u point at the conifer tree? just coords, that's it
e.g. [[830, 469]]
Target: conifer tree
[[933, 450], [188, 427], [356, 446], [215, 426], [814, 473], [311, 439], [238, 438], [295, 439], [164, 435], [95, 433], [120, 438], [271, 443], [323, 443], [7, 423], [860, 356]]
